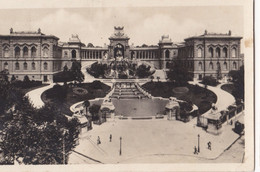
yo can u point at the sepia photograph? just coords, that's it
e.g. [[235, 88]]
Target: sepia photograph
[[127, 86]]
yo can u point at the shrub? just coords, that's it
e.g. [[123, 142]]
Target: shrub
[[97, 70], [210, 80], [97, 85], [64, 76], [143, 71], [28, 84], [26, 79], [94, 109]]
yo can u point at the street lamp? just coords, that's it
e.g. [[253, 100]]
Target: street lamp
[[120, 150], [198, 143]]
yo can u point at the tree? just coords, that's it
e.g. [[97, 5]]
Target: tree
[[238, 80], [26, 79], [76, 71], [158, 78], [86, 103], [94, 110], [13, 78], [90, 45], [35, 136], [209, 80], [65, 68], [219, 74], [4, 75], [143, 71], [179, 75]]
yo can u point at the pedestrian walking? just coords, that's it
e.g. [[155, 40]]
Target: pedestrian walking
[[110, 138], [195, 150], [209, 145], [98, 140]]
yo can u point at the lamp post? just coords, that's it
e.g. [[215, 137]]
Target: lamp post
[[198, 143], [120, 150]]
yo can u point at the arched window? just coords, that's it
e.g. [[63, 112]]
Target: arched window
[[17, 66], [234, 52], [73, 54], [25, 52], [225, 65], [33, 52], [45, 66], [199, 52], [210, 52], [6, 65], [225, 52], [218, 65], [33, 66], [211, 66], [234, 65], [25, 66], [17, 52], [45, 51], [218, 52], [200, 66], [6, 52], [167, 54]]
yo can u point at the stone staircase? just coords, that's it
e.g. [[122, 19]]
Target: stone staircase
[[127, 91]]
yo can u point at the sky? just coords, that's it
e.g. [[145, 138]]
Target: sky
[[144, 25]]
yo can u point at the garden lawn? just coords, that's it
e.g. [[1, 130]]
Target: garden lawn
[[228, 88], [201, 97], [93, 91]]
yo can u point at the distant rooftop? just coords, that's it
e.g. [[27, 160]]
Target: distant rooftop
[[26, 32], [215, 35]]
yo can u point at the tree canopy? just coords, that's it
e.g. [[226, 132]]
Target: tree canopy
[[179, 75], [238, 80], [76, 71], [34, 136], [143, 71]]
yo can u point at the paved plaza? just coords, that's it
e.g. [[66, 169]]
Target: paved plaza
[[151, 141], [154, 141]]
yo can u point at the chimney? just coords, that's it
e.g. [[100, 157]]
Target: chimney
[[206, 32], [229, 32]]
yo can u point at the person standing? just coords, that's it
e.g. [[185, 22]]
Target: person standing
[[209, 145], [98, 140], [110, 138], [195, 150]]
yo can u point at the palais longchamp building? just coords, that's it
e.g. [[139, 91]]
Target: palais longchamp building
[[40, 56]]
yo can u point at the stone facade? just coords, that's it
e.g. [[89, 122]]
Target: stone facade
[[40, 56], [30, 53], [210, 54]]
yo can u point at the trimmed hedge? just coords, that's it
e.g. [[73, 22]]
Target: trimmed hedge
[[27, 84], [210, 80], [64, 76]]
